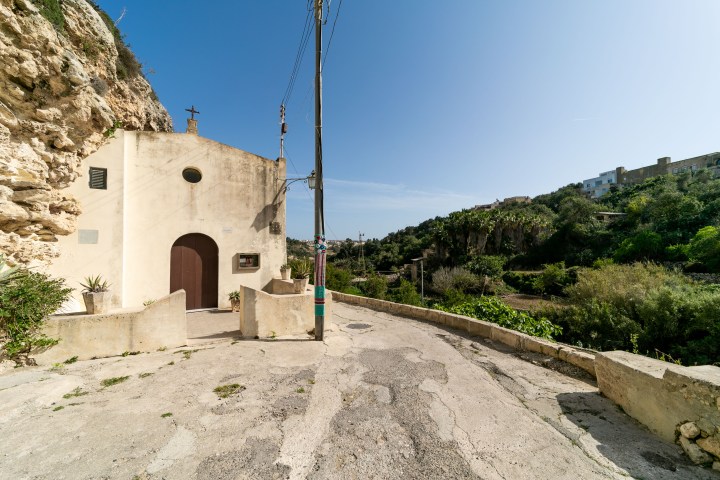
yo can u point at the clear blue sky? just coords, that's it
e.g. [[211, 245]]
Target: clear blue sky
[[431, 107]]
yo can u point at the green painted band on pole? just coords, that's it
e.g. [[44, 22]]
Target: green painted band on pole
[[320, 310], [319, 291]]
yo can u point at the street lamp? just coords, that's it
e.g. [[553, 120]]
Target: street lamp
[[310, 180]]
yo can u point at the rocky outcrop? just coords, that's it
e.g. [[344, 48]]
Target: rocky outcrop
[[64, 87]]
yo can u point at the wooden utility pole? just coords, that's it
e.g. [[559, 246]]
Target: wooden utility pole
[[320, 246]]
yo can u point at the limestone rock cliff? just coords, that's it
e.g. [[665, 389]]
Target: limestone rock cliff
[[66, 82]]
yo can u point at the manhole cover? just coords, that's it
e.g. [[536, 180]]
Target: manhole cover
[[358, 326]]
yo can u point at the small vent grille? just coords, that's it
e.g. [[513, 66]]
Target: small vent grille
[[98, 178]]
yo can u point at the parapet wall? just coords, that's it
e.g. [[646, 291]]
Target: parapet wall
[[264, 314], [160, 324], [661, 395], [511, 338]]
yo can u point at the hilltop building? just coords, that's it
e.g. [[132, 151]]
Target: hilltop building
[[598, 186], [504, 203], [169, 211]]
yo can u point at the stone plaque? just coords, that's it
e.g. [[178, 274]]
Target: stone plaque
[[89, 237]]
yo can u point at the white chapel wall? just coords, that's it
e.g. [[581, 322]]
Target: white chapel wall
[[148, 206]]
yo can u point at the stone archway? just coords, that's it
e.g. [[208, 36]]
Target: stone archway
[[194, 268]]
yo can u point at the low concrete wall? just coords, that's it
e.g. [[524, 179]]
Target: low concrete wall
[[265, 315], [512, 338], [161, 324], [662, 395]]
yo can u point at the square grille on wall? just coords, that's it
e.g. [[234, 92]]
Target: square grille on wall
[[98, 178]]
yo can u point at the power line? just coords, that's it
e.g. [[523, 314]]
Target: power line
[[332, 32], [304, 39]]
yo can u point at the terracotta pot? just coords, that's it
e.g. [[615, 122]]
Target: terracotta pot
[[97, 302], [286, 273], [235, 304]]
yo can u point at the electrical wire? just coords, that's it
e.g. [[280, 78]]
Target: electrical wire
[[304, 39], [332, 32]]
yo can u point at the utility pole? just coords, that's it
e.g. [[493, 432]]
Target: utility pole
[[320, 246], [362, 252], [283, 130]]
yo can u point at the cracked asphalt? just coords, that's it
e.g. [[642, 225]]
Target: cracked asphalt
[[382, 397]]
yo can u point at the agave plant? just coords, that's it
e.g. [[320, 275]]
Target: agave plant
[[7, 273], [95, 284]]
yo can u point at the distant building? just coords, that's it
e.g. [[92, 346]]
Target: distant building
[[504, 203], [600, 185]]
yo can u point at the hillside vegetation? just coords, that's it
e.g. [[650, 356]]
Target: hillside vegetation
[[617, 281]]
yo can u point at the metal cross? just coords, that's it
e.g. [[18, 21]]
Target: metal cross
[[192, 112]]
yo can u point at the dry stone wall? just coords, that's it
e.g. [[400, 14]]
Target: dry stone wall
[[62, 92]]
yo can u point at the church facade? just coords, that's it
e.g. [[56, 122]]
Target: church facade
[[169, 211]]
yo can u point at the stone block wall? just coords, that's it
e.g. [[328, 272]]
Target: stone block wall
[[161, 324]]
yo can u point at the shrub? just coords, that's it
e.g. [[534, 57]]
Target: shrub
[[407, 293], [705, 248], [553, 279], [51, 10], [456, 278], [645, 245], [338, 279], [521, 281], [492, 309], [643, 308], [375, 286], [487, 265], [25, 301]]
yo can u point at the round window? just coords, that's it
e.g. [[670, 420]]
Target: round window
[[192, 175]]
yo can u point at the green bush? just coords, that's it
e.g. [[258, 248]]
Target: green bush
[[406, 293], [51, 10], [456, 278], [523, 282], [553, 279], [338, 279], [643, 308], [645, 245], [487, 265], [705, 248], [25, 301], [492, 309], [376, 286]]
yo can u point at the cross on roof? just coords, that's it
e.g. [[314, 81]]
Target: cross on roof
[[192, 112]]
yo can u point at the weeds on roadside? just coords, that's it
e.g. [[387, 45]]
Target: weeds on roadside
[[108, 382], [224, 391], [77, 392]]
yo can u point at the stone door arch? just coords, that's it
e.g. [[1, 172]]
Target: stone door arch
[[194, 268]]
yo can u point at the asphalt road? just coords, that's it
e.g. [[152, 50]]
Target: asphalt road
[[382, 397]]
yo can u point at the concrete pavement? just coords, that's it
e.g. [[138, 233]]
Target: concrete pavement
[[381, 397]]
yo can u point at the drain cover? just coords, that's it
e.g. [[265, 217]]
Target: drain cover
[[358, 326]]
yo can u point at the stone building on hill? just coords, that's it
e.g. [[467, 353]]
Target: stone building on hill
[[165, 211], [598, 186]]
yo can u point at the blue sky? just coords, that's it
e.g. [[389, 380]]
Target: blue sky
[[431, 107]]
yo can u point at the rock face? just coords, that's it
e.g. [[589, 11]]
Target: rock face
[[64, 87]]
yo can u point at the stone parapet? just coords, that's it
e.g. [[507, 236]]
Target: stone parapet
[[517, 340], [160, 324]]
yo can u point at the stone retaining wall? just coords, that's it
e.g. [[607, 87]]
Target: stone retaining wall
[[680, 404], [511, 338], [161, 324]]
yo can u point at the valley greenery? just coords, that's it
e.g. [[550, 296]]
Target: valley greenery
[[622, 281]]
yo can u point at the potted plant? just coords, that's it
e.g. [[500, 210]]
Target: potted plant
[[285, 271], [301, 274], [96, 295], [234, 297]]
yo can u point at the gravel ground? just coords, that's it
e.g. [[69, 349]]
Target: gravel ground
[[382, 397]]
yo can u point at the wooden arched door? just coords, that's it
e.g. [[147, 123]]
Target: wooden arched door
[[194, 268]]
